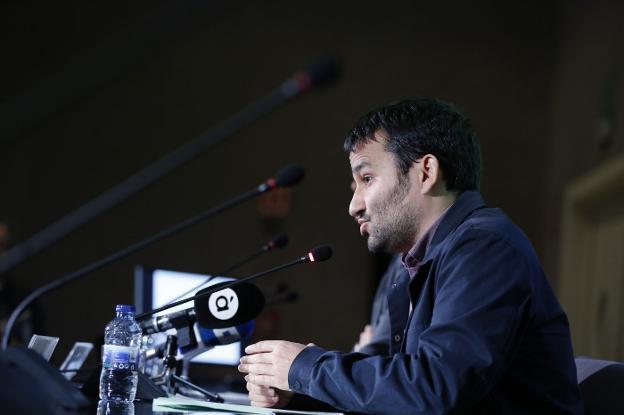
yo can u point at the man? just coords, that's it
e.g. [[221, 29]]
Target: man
[[484, 333], [375, 338]]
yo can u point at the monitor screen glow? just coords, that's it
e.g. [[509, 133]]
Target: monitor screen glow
[[167, 286]]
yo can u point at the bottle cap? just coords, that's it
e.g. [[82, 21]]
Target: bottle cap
[[122, 308]]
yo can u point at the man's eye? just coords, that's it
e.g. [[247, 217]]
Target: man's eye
[[367, 179]]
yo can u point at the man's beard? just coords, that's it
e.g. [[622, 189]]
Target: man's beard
[[395, 222]]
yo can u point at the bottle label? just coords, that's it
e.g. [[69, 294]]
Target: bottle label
[[120, 357]]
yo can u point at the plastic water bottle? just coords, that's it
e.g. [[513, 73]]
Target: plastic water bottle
[[120, 353], [115, 408]]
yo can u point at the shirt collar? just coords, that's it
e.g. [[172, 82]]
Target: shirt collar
[[414, 257], [467, 202]]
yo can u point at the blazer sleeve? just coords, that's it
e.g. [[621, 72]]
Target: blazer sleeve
[[481, 308]]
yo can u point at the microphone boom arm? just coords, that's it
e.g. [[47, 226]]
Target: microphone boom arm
[[223, 287], [94, 266]]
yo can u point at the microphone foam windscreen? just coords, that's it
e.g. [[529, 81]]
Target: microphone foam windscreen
[[279, 242], [289, 175], [230, 306], [323, 71], [321, 253]]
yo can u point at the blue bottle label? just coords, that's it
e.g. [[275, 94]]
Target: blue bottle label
[[120, 357]]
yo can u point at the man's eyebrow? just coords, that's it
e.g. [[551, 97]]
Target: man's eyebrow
[[360, 166]]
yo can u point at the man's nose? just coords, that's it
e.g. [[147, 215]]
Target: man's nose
[[357, 205]]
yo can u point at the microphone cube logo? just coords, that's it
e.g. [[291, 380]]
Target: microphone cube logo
[[120, 357], [223, 304]]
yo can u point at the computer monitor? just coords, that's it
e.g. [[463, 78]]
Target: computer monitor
[[157, 287]]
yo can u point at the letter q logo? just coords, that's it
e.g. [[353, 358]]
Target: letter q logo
[[223, 304]]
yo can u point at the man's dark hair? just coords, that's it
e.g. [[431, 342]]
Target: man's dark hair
[[417, 127]]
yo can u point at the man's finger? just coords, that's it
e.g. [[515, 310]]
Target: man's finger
[[264, 346], [256, 368], [255, 397], [262, 380], [260, 390], [261, 404], [261, 347], [258, 358]]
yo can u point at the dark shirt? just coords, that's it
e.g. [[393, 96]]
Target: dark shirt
[[413, 259], [380, 315], [486, 334]]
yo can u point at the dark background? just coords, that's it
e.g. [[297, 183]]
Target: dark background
[[91, 92]]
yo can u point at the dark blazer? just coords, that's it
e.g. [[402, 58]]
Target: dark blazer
[[486, 334]]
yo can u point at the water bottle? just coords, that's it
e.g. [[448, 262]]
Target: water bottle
[[115, 408], [120, 353]]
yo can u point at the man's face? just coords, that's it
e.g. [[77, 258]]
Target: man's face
[[383, 202]]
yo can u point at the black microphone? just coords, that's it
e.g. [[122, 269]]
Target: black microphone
[[228, 307], [224, 308], [320, 72], [277, 242], [175, 320], [287, 176], [318, 254]]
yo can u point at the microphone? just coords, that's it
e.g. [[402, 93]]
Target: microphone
[[228, 306], [277, 242], [209, 338], [175, 320], [205, 339], [224, 308], [287, 176], [318, 254], [320, 72]]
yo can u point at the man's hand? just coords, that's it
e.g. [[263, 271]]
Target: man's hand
[[365, 338], [268, 397], [267, 362]]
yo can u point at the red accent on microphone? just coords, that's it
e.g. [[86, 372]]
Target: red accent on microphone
[[320, 253], [303, 80], [271, 183]]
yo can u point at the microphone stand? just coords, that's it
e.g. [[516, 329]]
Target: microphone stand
[[94, 266], [169, 379], [224, 272], [211, 291], [320, 72], [318, 254]]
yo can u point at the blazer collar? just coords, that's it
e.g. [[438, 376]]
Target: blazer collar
[[467, 202]]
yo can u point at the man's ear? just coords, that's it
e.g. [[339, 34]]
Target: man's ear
[[429, 173]]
